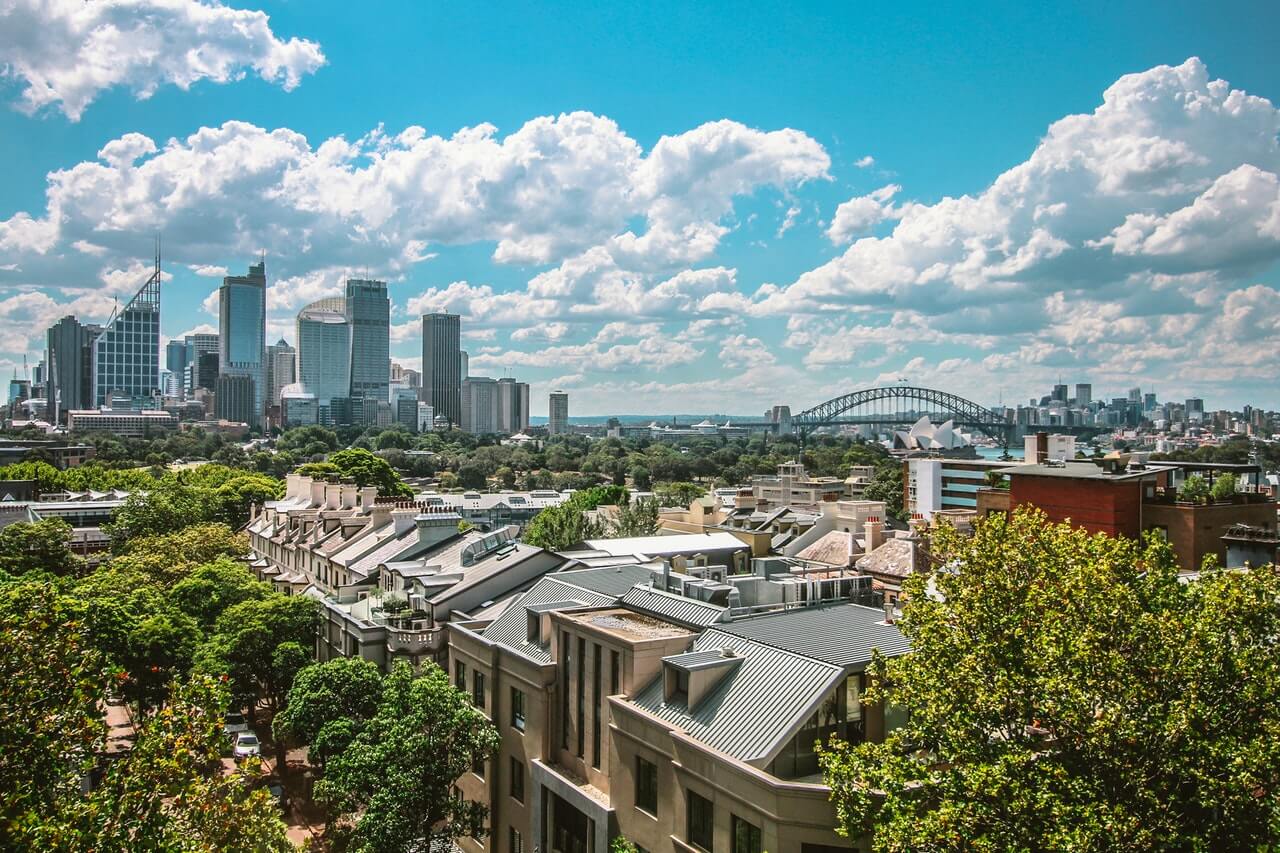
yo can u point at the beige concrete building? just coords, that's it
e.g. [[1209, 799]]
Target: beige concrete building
[[628, 710]]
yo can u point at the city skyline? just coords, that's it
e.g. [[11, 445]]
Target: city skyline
[[734, 250]]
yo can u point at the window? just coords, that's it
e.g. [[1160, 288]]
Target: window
[[517, 709], [598, 711], [746, 836], [477, 690], [615, 673], [517, 780], [564, 692], [701, 829], [646, 786], [582, 696], [477, 767], [515, 842], [460, 675]]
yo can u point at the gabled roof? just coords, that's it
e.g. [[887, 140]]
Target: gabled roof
[[592, 587], [756, 708], [841, 634], [689, 612]]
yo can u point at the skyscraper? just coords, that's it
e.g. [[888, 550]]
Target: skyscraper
[[369, 312], [480, 405], [126, 356], [1060, 393], [281, 369], [242, 333], [442, 365], [558, 413], [1193, 409], [513, 406], [1084, 394], [175, 356], [69, 357], [236, 398], [324, 355]]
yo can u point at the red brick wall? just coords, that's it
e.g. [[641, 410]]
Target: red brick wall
[[1096, 505]]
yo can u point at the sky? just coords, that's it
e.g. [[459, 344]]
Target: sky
[[672, 207]]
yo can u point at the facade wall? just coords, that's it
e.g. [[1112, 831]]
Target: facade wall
[[1114, 508], [442, 365], [1196, 531]]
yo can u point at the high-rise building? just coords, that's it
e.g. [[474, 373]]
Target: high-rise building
[[242, 333], [481, 408], [1084, 394], [465, 369], [1135, 395], [1149, 403], [282, 363], [126, 355], [369, 312], [175, 356], [1193, 409], [237, 399], [69, 357], [200, 343], [442, 365], [1060, 393], [324, 357], [513, 406], [558, 413]]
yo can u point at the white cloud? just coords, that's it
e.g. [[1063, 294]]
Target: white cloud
[[1173, 173], [742, 351], [208, 270], [788, 221], [66, 52], [857, 215], [865, 162]]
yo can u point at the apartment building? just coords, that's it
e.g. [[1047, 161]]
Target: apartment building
[[793, 486], [628, 709]]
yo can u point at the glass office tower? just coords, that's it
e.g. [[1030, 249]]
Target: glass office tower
[[442, 365], [242, 333], [369, 312], [126, 355]]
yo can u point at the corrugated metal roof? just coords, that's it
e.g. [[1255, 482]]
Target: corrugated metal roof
[[688, 612], [592, 587], [755, 708], [701, 659], [842, 634]]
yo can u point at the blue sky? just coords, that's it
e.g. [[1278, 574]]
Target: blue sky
[[675, 207]]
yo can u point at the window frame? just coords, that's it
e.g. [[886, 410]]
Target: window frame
[[518, 718], [704, 819]]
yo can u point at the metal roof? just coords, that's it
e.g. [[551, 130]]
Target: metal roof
[[701, 659], [754, 709], [842, 634], [591, 587], [680, 543], [689, 612]]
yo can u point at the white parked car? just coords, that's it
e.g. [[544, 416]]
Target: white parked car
[[246, 745], [235, 724]]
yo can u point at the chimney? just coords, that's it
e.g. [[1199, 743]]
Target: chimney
[[368, 495], [379, 514], [317, 492], [402, 516], [295, 485], [1042, 447], [874, 532], [332, 495], [348, 495]]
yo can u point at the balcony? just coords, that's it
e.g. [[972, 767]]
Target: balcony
[[413, 642]]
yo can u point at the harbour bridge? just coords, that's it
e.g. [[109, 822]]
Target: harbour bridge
[[892, 406]]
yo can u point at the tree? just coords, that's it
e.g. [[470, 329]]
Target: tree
[[559, 527], [214, 587], [236, 498], [1194, 489], [1065, 691], [161, 796], [679, 494], [641, 478], [886, 486], [245, 645], [169, 557], [39, 546], [165, 507], [50, 725], [506, 477], [328, 703], [636, 518], [1224, 487], [367, 469], [395, 779], [158, 648], [471, 477]]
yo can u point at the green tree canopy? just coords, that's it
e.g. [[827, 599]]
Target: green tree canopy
[[564, 526], [40, 546], [213, 587], [366, 468], [169, 557], [328, 703], [395, 779], [1066, 691]]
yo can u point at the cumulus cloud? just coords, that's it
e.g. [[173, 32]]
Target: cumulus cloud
[[1173, 173], [857, 215], [865, 162], [66, 52]]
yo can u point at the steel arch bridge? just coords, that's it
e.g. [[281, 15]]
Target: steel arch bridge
[[876, 405]]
